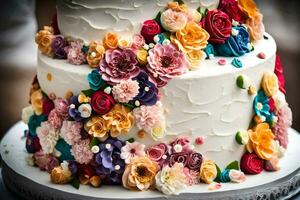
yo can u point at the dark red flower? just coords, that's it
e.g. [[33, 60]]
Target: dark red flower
[[181, 157], [233, 10], [150, 28], [32, 144], [194, 161], [102, 103], [48, 105], [86, 170], [279, 73], [218, 25], [251, 164]]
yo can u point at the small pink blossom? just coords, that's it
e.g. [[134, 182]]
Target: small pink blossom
[[132, 150], [45, 162], [61, 106], [165, 62], [81, 152], [74, 54], [191, 176], [70, 131], [237, 176], [48, 137], [284, 121], [199, 140], [55, 119], [126, 90], [147, 117], [138, 42]]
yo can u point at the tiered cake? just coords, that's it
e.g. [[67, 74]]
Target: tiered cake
[[156, 94]]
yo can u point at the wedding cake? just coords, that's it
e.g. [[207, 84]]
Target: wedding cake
[[156, 94]]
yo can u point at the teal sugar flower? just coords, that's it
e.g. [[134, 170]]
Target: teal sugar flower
[[34, 122], [95, 80], [261, 106]]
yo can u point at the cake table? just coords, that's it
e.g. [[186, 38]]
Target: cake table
[[30, 183]]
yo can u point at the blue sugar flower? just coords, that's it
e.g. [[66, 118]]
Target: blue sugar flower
[[209, 50], [95, 80], [236, 45], [261, 106], [224, 177]]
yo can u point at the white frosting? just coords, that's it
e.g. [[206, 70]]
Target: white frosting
[[90, 20], [205, 102]]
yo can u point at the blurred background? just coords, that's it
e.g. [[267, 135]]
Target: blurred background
[[19, 20]]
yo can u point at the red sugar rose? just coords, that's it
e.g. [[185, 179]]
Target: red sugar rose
[[279, 73], [150, 28], [218, 25], [48, 105], [233, 10], [251, 164], [102, 103]]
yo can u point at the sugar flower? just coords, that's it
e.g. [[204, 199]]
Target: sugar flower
[[233, 10], [48, 136], [74, 54], [251, 164], [158, 153], [95, 80], [110, 40], [119, 120], [132, 150], [191, 176], [44, 161], [171, 180], [110, 165], [80, 108], [236, 176], [149, 29], [81, 151], [61, 174], [126, 90], [58, 46], [32, 144], [55, 119], [102, 102], [142, 56], [70, 131], [284, 122], [47, 106], [262, 141], [147, 117], [148, 92], [140, 174], [118, 64], [270, 84], [165, 62], [27, 112], [208, 171], [34, 122], [44, 39], [172, 20], [261, 106], [36, 100], [138, 41], [61, 106], [95, 53], [97, 127], [272, 164]]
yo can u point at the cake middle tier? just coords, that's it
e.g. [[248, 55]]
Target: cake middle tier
[[205, 102]]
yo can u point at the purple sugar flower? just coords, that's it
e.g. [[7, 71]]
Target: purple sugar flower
[[148, 92], [118, 64], [110, 165], [58, 45], [73, 109]]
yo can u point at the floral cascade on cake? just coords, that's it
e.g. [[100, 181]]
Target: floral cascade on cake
[[77, 139]]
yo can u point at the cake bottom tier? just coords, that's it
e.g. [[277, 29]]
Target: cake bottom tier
[[31, 183]]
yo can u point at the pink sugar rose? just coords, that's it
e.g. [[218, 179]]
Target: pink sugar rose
[[158, 153], [45, 162], [70, 131], [81, 152], [118, 64], [165, 62], [147, 117], [74, 54], [138, 42], [61, 106], [237, 176], [126, 90], [132, 150], [55, 119], [284, 122]]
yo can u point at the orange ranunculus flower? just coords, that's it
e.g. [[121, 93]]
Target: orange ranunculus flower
[[119, 120], [97, 127], [139, 174], [254, 22], [36, 100], [191, 38], [262, 140], [111, 40], [177, 7], [95, 53], [44, 39]]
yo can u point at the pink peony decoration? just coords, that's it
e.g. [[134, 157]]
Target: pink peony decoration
[[148, 116], [81, 151], [132, 150], [138, 42], [284, 121], [62, 106], [74, 54], [126, 90], [70, 131], [165, 62], [55, 119]]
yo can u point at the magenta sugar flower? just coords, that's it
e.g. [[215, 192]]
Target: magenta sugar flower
[[165, 62]]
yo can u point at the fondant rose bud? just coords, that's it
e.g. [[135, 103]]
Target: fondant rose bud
[[218, 25], [149, 29], [58, 45], [158, 153], [251, 164]]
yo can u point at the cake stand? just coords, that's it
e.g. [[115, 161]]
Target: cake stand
[[30, 183]]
